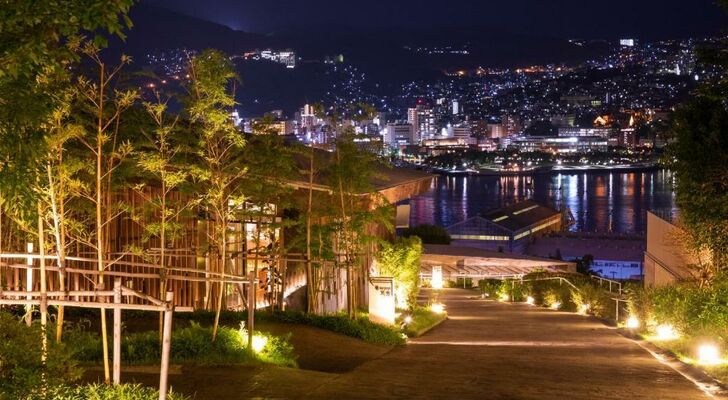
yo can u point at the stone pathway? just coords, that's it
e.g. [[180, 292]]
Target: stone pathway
[[489, 350], [485, 350]]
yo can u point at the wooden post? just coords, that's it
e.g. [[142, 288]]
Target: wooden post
[[252, 287], [616, 318], [29, 284], [166, 338], [117, 333]]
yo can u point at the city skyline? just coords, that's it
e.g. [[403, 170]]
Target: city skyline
[[327, 199]]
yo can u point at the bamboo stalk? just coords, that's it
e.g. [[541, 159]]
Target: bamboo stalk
[[166, 339], [117, 332]]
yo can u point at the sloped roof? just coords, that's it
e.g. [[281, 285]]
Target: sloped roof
[[520, 215], [478, 262], [384, 177], [475, 226]]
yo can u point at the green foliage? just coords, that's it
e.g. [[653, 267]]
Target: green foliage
[[430, 234], [548, 292], [599, 300], [219, 144], [698, 314], [699, 157], [692, 310], [491, 287], [350, 175], [20, 359], [423, 319], [559, 295], [192, 344], [460, 283], [39, 44], [401, 260], [359, 327], [700, 162], [41, 35], [514, 290], [125, 391]]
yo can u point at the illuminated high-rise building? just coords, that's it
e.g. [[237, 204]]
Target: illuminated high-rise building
[[422, 118]]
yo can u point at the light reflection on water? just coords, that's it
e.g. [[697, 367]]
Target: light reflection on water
[[599, 201]]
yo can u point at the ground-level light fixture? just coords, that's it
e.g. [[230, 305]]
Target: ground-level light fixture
[[709, 354], [504, 297], [437, 308], [632, 323], [530, 300], [666, 332], [584, 308], [408, 319], [259, 342], [556, 305]]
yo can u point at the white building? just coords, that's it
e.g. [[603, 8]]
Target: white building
[[461, 132], [579, 132], [422, 118], [614, 257], [398, 134], [574, 144]]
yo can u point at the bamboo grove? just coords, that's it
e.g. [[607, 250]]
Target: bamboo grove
[[78, 136]]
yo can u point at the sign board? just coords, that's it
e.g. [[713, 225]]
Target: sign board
[[381, 300], [436, 281]]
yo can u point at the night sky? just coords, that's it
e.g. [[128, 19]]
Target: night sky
[[589, 19]]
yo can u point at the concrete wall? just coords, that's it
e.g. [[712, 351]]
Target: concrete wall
[[666, 258]]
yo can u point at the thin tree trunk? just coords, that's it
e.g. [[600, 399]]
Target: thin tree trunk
[[100, 201], [43, 287], [223, 254], [255, 261], [345, 235], [309, 270], [57, 210], [162, 263], [284, 271]]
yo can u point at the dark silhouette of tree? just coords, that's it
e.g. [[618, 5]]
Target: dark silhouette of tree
[[429, 234]]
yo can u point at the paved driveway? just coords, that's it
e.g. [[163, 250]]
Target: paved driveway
[[488, 350]]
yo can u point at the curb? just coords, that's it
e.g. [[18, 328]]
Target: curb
[[711, 386]]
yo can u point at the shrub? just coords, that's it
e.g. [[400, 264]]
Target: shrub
[[514, 289], [192, 344], [599, 301], [20, 359], [360, 327], [559, 294], [689, 308], [430, 234], [460, 283], [504, 290], [102, 392], [490, 286], [401, 260]]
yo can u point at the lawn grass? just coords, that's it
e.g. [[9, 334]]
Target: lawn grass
[[684, 348], [125, 391], [423, 319], [359, 327]]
